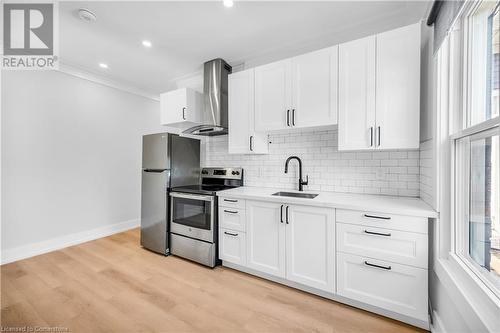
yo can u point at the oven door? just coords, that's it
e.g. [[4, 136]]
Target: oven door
[[192, 215]]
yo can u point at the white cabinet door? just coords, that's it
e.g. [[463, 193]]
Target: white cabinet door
[[398, 88], [265, 238], [395, 287], [314, 88], [273, 96], [181, 105], [242, 136], [232, 246], [310, 250], [357, 94]]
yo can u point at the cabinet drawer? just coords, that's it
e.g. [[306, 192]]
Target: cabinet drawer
[[232, 202], [395, 287], [402, 247], [388, 221], [232, 218], [232, 246]]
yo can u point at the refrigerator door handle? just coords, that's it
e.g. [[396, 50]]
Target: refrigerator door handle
[[155, 170]]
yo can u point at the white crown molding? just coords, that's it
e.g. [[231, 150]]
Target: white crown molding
[[34, 249], [101, 79]]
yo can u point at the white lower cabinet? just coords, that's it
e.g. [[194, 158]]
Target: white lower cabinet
[[232, 218], [232, 246], [301, 235], [376, 260], [395, 287], [310, 235], [265, 238], [406, 248]]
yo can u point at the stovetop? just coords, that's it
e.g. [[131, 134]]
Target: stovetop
[[214, 180], [202, 189]]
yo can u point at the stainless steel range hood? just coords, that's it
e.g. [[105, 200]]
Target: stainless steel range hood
[[215, 121]]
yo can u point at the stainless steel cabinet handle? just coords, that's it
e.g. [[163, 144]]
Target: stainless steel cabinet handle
[[378, 137], [229, 200], [281, 214], [184, 113], [371, 136], [378, 266], [251, 142], [230, 234], [230, 211], [377, 217], [288, 118], [378, 233], [287, 222], [293, 117]]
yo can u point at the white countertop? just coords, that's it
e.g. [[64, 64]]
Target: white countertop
[[366, 202]]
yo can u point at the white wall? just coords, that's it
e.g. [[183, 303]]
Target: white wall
[[71, 157]]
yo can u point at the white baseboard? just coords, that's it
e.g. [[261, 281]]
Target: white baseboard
[[34, 249], [437, 324]]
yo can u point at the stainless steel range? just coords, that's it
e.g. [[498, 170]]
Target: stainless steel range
[[193, 215]]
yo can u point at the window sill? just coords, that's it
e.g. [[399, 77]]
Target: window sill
[[475, 300]]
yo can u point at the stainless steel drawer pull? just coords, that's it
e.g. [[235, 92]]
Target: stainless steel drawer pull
[[230, 234], [228, 200], [377, 233], [377, 217], [230, 211], [378, 266]]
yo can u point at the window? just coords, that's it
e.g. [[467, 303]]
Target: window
[[484, 48], [477, 158], [476, 147]]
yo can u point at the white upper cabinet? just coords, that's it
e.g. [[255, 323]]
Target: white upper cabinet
[[357, 94], [314, 88], [297, 92], [398, 88], [379, 91], [273, 87], [242, 136], [181, 106]]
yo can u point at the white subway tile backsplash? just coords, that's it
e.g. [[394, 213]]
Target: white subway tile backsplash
[[379, 172], [427, 172]]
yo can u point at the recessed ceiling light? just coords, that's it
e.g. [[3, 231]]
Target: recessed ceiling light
[[228, 3], [103, 65], [86, 15], [146, 43]]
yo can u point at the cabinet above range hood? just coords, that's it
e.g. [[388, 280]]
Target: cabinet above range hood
[[215, 91]]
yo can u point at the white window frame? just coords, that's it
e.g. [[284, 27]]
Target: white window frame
[[458, 63]]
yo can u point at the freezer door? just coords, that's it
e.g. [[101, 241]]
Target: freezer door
[[185, 161], [155, 151], [154, 204]]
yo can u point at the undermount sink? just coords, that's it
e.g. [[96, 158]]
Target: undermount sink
[[296, 195]]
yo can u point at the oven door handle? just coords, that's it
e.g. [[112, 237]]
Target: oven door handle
[[192, 196]]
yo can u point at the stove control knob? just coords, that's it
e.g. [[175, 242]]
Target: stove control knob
[[235, 172], [204, 172]]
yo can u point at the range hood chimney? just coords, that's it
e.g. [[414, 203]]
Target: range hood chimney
[[215, 120]]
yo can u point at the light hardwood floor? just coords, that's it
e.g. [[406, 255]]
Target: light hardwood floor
[[113, 285]]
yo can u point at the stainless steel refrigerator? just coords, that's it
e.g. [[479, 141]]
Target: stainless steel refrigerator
[[168, 160]]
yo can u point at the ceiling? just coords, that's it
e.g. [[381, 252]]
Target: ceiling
[[186, 34]]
